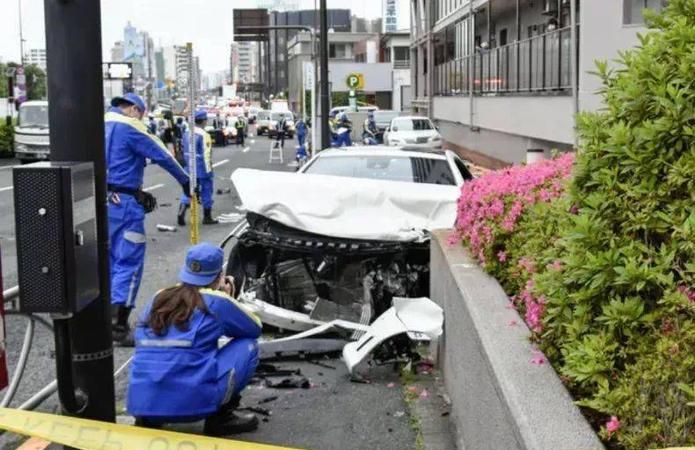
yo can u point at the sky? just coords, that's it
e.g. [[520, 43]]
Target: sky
[[206, 23]]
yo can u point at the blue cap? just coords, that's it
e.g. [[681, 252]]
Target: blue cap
[[201, 114], [203, 264], [133, 99]]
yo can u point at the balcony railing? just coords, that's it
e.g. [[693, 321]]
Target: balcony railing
[[537, 64], [401, 64]]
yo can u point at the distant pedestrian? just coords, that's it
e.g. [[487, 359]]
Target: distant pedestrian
[[168, 131], [239, 126], [152, 125], [301, 132], [281, 128]]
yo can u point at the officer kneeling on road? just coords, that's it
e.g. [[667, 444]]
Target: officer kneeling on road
[[204, 173], [178, 373]]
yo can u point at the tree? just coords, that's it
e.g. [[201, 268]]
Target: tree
[[36, 80]]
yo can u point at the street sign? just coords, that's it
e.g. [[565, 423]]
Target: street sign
[[355, 81], [308, 75], [20, 87], [117, 71]]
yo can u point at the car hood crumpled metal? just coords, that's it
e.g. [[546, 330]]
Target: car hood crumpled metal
[[345, 207]]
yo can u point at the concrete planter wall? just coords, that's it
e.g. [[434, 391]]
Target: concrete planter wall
[[500, 400]]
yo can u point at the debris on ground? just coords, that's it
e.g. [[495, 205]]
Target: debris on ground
[[165, 205], [224, 191], [166, 228], [293, 382], [272, 398], [399, 414]]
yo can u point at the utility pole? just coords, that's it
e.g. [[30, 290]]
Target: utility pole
[[73, 50], [325, 130], [21, 35]]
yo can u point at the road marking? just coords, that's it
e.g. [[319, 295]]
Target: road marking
[[8, 188], [246, 149], [152, 188], [220, 163]]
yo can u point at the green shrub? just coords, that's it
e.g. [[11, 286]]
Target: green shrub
[[6, 140], [606, 273]]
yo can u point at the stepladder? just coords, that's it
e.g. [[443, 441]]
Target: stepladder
[[275, 152]]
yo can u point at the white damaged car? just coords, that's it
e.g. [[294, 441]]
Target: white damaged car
[[344, 236]]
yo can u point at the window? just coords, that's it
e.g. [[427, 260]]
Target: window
[[401, 53], [632, 9], [411, 124], [463, 169], [388, 168]]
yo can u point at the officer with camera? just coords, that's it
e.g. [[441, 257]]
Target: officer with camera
[[128, 145]]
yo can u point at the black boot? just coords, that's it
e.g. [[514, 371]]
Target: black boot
[[228, 421], [182, 215], [120, 328], [207, 217]]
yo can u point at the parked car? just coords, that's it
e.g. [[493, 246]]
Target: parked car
[[338, 109], [31, 135], [383, 118], [262, 122], [275, 118], [343, 236], [413, 131]]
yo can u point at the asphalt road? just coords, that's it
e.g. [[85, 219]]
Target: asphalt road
[[165, 251]]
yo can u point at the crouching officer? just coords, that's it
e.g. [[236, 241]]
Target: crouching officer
[[128, 146], [204, 174], [178, 373]]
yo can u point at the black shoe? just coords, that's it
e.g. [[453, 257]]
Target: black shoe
[[181, 217], [123, 336], [207, 218], [228, 422]]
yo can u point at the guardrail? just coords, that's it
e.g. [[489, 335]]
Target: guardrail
[[11, 296]]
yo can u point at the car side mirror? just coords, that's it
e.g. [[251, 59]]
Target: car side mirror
[[395, 128]]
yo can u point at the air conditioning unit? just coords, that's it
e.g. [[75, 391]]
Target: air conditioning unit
[[549, 8]]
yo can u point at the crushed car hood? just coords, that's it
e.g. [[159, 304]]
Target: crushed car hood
[[350, 208]]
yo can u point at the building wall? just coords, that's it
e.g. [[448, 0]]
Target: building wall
[[401, 77], [601, 36], [377, 76]]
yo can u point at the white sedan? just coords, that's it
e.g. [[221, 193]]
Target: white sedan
[[413, 131]]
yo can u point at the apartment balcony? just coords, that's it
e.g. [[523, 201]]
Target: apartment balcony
[[540, 64], [401, 64]]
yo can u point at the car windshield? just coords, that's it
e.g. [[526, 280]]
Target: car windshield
[[279, 115], [411, 124], [390, 168], [385, 116], [263, 115], [33, 116]]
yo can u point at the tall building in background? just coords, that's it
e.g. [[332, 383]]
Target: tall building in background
[[339, 20], [117, 52], [396, 15], [37, 56], [234, 61], [138, 49], [246, 70]]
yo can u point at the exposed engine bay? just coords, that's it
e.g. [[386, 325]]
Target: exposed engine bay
[[324, 277]]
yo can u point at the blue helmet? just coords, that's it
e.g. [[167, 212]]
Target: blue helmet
[[201, 114], [132, 98]]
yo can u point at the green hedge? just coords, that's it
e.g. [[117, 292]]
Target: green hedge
[[6, 140], [609, 267]]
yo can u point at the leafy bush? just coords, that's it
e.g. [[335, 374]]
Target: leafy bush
[[605, 274], [6, 140]]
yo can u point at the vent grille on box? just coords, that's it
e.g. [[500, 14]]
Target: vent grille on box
[[40, 244]]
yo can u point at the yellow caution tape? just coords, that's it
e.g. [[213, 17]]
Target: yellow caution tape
[[94, 435]]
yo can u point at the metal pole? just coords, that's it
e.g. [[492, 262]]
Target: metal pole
[[573, 62], [73, 50], [21, 35], [315, 147], [471, 61], [325, 130], [192, 166]]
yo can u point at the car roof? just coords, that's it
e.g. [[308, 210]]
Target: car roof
[[412, 117], [383, 150]]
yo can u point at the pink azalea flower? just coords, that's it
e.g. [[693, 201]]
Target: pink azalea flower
[[538, 359], [612, 425], [502, 256], [512, 323]]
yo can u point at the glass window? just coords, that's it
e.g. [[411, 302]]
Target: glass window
[[389, 168], [401, 53], [412, 124], [463, 169], [33, 116], [632, 9]]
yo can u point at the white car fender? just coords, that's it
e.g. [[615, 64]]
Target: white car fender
[[420, 318]]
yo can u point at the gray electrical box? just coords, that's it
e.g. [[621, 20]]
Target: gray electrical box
[[56, 230]]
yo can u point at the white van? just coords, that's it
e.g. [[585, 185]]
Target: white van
[[31, 137]]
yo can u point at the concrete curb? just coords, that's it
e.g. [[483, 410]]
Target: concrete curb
[[500, 400]]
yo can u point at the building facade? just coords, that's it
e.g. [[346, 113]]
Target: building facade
[[37, 56], [504, 76], [339, 20], [396, 16], [247, 63], [395, 50]]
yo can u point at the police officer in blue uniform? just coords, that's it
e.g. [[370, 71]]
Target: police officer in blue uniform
[[128, 146], [178, 372], [204, 173]]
